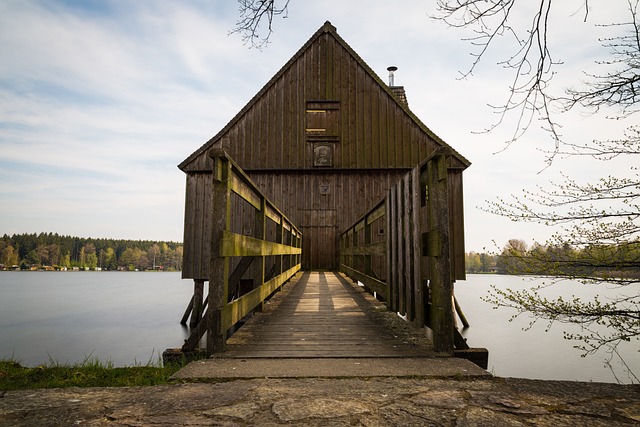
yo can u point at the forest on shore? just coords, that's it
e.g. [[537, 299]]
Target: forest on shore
[[596, 260], [51, 251]]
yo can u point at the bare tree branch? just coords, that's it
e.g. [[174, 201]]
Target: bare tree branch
[[532, 61], [619, 88], [253, 14]]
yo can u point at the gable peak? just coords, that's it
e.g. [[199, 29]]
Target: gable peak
[[328, 27]]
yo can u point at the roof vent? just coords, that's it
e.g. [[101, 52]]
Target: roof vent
[[397, 90], [392, 78]]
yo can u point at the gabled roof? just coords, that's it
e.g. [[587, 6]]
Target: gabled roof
[[329, 29]]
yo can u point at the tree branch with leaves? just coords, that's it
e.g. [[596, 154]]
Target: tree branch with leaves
[[599, 222]]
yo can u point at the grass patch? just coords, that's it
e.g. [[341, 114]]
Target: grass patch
[[90, 373]]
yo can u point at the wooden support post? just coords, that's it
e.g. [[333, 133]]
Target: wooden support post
[[463, 318], [407, 248], [350, 244], [400, 254], [219, 265], [287, 259], [198, 291], [261, 232], [416, 226], [392, 238], [354, 243], [368, 269], [441, 285], [187, 312]]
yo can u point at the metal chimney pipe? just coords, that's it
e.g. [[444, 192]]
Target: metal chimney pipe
[[392, 78]]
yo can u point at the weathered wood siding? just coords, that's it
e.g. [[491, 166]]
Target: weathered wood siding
[[322, 204], [197, 226], [326, 132], [373, 129]]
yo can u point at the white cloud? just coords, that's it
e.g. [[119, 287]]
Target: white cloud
[[97, 107]]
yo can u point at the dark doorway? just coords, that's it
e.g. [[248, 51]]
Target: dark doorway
[[319, 241]]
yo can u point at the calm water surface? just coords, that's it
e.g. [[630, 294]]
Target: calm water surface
[[124, 317], [537, 353], [130, 318]]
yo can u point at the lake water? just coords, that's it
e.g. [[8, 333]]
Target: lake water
[[124, 317], [537, 353], [130, 318]]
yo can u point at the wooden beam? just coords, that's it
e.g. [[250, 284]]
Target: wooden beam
[[418, 287], [234, 244], [219, 264], [238, 272], [187, 312], [378, 249], [441, 284], [198, 292], [252, 196], [371, 283], [236, 310], [196, 333]]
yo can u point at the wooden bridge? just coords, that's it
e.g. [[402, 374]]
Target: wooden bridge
[[352, 313], [321, 315]]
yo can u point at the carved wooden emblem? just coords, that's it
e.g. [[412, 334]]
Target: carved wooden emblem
[[322, 156]]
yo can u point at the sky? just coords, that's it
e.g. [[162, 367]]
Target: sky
[[100, 100]]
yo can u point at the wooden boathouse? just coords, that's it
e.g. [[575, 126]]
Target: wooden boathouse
[[325, 169], [324, 140]]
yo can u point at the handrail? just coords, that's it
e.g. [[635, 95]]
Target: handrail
[[285, 245], [414, 219], [355, 257]]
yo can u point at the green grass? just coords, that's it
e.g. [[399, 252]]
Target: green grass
[[90, 373]]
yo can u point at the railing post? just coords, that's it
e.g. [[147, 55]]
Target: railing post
[[355, 259], [280, 239], [437, 248], [229, 180], [261, 230], [368, 270], [219, 265]]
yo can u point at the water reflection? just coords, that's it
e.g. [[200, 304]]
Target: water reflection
[[536, 353]]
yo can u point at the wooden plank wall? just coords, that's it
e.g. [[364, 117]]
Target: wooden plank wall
[[321, 217], [375, 132], [377, 143], [323, 203], [197, 226]]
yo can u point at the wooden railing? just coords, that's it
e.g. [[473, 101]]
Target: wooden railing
[[250, 238], [406, 235]]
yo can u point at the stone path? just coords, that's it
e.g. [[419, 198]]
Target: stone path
[[324, 402]]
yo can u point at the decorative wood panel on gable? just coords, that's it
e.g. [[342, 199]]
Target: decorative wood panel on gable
[[327, 135]]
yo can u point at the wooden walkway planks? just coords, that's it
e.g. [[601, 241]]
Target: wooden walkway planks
[[322, 315]]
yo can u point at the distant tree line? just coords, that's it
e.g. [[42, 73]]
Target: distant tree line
[[52, 251], [480, 262], [613, 260]]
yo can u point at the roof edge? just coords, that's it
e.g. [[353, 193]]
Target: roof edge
[[327, 27]]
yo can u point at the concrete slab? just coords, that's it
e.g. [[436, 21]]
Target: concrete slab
[[225, 368]]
